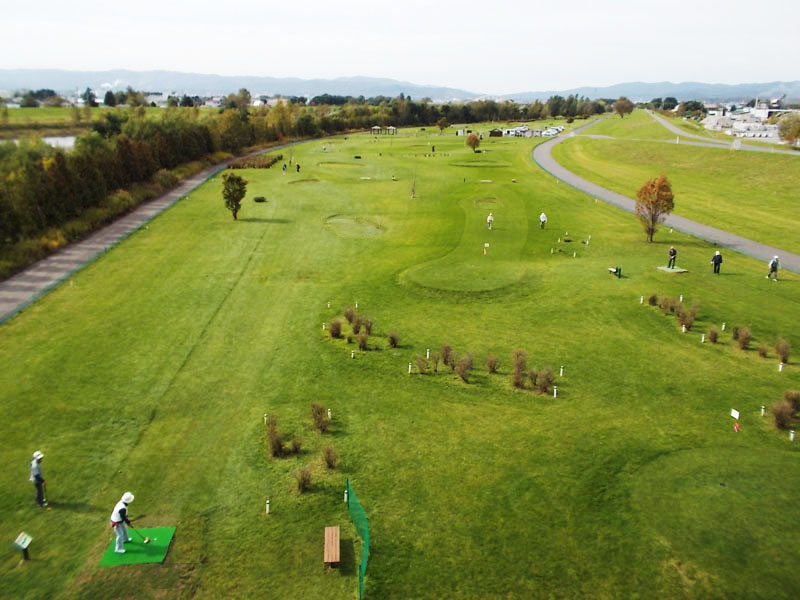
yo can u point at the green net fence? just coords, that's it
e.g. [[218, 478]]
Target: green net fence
[[361, 523]]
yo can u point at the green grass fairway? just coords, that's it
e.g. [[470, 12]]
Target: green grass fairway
[[153, 370], [748, 193], [136, 551], [637, 125]]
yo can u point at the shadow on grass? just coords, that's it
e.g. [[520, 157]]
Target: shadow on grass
[[262, 220], [347, 557]]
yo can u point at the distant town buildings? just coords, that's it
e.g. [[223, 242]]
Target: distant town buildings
[[747, 121]]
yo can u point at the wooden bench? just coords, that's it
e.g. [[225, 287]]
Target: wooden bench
[[616, 271], [331, 555]]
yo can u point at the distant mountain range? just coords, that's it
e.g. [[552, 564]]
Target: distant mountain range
[[210, 85]]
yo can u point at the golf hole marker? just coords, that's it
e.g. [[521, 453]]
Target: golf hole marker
[[735, 413], [780, 367], [24, 540]]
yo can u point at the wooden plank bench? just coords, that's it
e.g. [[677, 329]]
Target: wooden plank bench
[[331, 555]]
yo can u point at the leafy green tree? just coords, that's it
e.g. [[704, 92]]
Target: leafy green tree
[[186, 101], [789, 127], [172, 101], [473, 141], [656, 103], [54, 100], [623, 106], [442, 124], [89, 98], [234, 189], [555, 106], [29, 101], [654, 201], [109, 99], [669, 103]]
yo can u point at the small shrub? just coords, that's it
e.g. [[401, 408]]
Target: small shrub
[[713, 335], [349, 314], [532, 375], [362, 341], [297, 445], [464, 367], [783, 413], [663, 303], [492, 363], [652, 300], [336, 328], [422, 364], [744, 338], [762, 350], [394, 339], [520, 367], [675, 306], [447, 354], [793, 398], [319, 416], [784, 349], [329, 454], [303, 479], [356, 324], [166, 179], [274, 437], [687, 316], [435, 361], [545, 379], [350, 338], [368, 326]]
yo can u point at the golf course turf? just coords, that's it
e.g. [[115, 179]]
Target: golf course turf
[[152, 373]]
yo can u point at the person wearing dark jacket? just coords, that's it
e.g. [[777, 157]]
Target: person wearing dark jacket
[[716, 260], [673, 254]]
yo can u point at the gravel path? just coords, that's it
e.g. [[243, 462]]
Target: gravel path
[[24, 288], [763, 252]]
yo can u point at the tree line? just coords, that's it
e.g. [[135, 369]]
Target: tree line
[[42, 187]]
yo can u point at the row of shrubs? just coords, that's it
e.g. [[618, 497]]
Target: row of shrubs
[[360, 329], [741, 335], [785, 411], [449, 358], [540, 380], [261, 161]]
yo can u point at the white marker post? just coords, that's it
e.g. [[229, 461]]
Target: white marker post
[[345, 495], [681, 298], [323, 326], [352, 353], [267, 507], [703, 339], [723, 327], [574, 254], [762, 410], [561, 371], [356, 304], [265, 418], [683, 328], [409, 368], [555, 391], [641, 301], [551, 250], [791, 435], [780, 367], [428, 353], [329, 414], [329, 304]]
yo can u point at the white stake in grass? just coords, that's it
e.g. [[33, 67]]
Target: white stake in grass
[[681, 298], [683, 328], [791, 435], [703, 339], [409, 368], [574, 254], [555, 391], [428, 353], [323, 326], [561, 371], [780, 367], [641, 299], [762, 410], [329, 304], [329, 414], [352, 353], [265, 418], [723, 327], [267, 507], [345, 495]]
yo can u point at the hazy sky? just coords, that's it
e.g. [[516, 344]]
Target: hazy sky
[[491, 46]]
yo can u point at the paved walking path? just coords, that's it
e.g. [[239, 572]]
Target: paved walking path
[[24, 288], [543, 157]]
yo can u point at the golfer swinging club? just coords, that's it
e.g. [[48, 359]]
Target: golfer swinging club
[[119, 517]]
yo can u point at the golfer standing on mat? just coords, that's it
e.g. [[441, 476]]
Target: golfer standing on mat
[[119, 517], [37, 479]]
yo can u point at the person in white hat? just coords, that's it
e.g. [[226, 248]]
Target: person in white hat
[[716, 260], [542, 220], [773, 267], [490, 221], [119, 517], [37, 479]]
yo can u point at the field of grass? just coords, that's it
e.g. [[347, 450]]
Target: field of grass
[[751, 194], [152, 370], [637, 125]]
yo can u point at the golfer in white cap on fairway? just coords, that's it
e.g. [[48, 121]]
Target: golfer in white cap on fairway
[[37, 479], [119, 517]]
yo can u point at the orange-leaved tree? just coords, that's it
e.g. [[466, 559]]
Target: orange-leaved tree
[[473, 142], [654, 201]]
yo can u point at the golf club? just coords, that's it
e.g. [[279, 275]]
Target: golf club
[[145, 540]]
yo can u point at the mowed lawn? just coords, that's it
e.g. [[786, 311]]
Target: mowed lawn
[[752, 194], [636, 125], [152, 370]]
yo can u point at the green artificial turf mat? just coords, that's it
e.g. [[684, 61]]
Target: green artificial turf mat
[[137, 552]]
